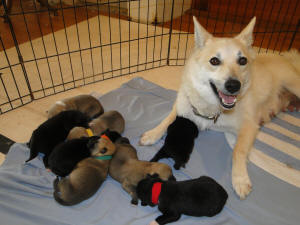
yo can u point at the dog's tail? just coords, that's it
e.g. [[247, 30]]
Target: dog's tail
[[33, 149], [159, 155], [293, 56]]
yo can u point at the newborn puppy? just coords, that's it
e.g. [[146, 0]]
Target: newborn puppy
[[66, 155], [197, 197], [53, 131], [126, 168], [86, 104], [111, 120], [87, 177], [179, 142]]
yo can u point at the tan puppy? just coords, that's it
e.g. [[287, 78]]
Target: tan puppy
[[87, 177], [84, 103], [226, 86], [126, 168], [111, 120]]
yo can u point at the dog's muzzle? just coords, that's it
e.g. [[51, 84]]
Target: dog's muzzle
[[228, 99]]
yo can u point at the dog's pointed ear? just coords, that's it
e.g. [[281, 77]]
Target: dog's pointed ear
[[246, 36], [200, 34]]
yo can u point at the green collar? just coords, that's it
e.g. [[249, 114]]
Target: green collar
[[104, 157]]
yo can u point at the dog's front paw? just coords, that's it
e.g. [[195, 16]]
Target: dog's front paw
[[153, 223], [242, 185], [150, 137], [143, 203], [134, 201]]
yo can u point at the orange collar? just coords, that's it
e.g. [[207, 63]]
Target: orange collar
[[104, 136], [156, 189]]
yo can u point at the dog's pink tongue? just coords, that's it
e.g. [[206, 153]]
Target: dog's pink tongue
[[228, 99]]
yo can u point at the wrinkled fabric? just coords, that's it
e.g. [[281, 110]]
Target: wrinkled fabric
[[26, 189]]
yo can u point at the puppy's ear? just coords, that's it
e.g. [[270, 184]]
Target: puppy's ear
[[200, 34], [155, 175], [246, 36], [92, 141], [123, 140], [105, 132]]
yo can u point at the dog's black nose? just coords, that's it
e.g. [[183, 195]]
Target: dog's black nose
[[232, 85]]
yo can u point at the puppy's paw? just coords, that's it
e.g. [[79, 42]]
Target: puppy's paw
[[143, 203], [176, 166], [150, 137], [242, 185], [153, 223], [134, 201]]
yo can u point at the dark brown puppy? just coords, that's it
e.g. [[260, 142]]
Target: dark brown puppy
[[86, 178], [111, 120], [126, 168], [197, 197], [86, 104], [54, 131]]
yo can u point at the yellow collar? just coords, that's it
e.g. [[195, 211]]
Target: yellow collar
[[89, 132]]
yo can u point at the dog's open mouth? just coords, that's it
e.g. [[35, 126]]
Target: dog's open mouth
[[227, 101]]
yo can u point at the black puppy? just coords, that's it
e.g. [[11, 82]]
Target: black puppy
[[66, 155], [54, 131], [197, 197], [179, 142]]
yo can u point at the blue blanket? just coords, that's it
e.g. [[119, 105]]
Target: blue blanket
[[26, 189]]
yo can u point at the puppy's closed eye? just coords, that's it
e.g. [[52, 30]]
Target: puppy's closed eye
[[104, 150]]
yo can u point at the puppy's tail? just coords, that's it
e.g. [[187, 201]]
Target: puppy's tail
[[33, 151], [159, 155], [293, 56]]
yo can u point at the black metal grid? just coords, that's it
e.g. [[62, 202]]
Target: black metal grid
[[119, 38]]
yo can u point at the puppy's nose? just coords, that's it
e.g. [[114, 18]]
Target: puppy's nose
[[232, 85]]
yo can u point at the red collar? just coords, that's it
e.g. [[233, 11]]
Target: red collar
[[156, 189]]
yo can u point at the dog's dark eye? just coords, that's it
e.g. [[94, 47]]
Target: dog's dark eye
[[242, 61], [215, 61]]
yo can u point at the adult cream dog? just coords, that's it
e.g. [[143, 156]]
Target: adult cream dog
[[227, 87]]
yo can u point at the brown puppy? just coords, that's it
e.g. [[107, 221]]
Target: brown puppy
[[111, 120], [126, 168], [87, 177], [84, 103]]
